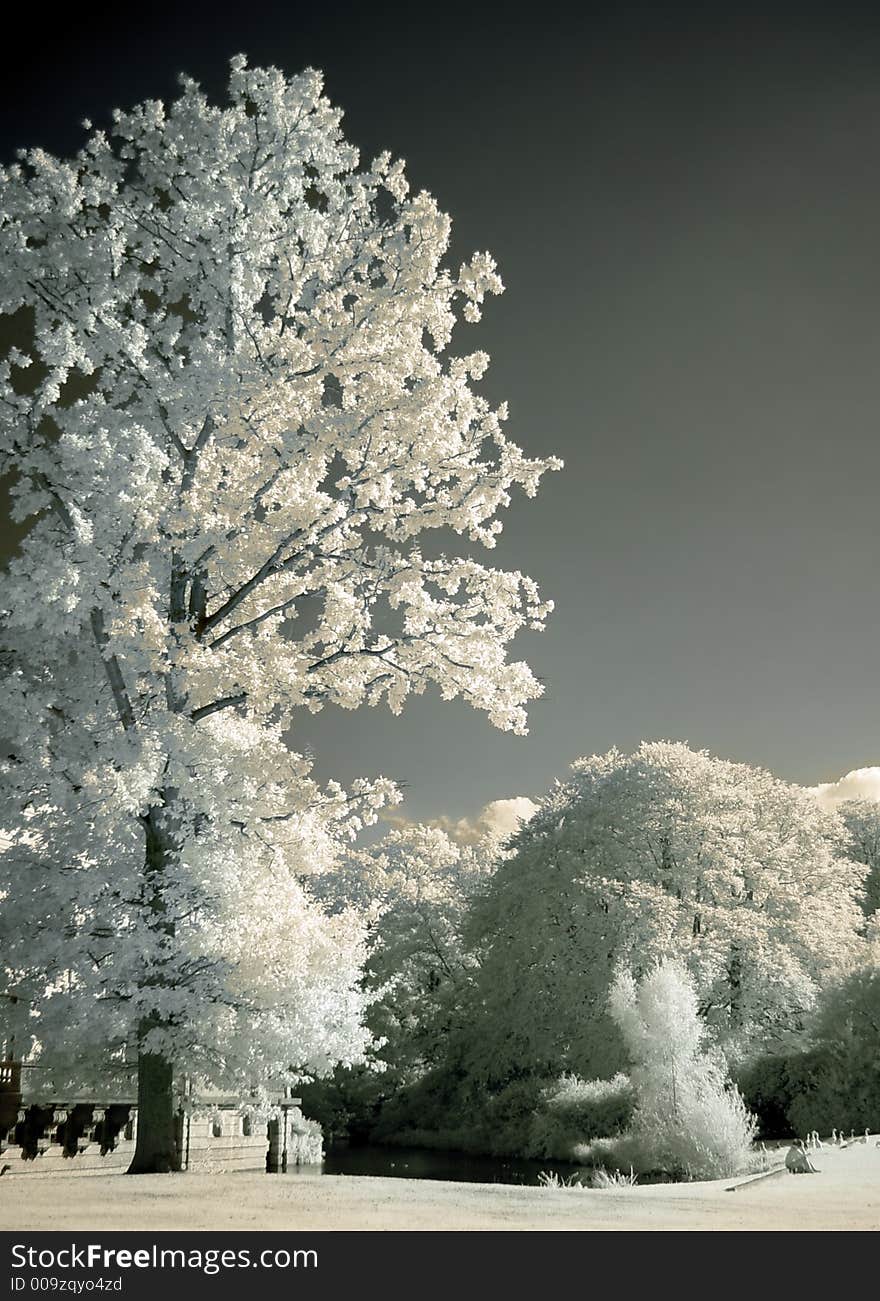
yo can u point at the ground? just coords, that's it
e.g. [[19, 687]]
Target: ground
[[845, 1194]]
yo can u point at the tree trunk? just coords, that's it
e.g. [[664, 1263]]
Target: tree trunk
[[734, 977], [156, 1149]]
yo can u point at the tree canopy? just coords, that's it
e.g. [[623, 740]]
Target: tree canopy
[[862, 821], [666, 852]]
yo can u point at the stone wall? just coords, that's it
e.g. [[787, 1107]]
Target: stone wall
[[223, 1139]]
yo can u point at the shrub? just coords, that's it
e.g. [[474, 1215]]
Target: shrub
[[551, 1179], [847, 1074], [441, 1100], [347, 1102], [572, 1111], [617, 1179], [506, 1118]]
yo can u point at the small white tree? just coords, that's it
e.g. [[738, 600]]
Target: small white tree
[[688, 1118]]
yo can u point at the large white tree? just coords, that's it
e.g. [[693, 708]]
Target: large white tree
[[663, 853], [232, 418]]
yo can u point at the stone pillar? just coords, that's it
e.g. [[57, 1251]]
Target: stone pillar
[[276, 1156], [10, 1095], [182, 1122]]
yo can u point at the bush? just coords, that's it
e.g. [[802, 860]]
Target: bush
[[836, 1083], [768, 1086], [572, 1111], [821, 1094], [441, 1112], [346, 1103], [440, 1100], [846, 1074], [505, 1119], [710, 1137]]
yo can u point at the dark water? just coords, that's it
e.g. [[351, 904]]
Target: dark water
[[425, 1163]]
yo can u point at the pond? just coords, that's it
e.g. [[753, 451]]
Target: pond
[[426, 1163]]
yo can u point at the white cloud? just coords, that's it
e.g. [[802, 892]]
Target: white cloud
[[498, 819], [860, 784]]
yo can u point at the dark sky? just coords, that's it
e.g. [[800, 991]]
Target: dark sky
[[684, 201]]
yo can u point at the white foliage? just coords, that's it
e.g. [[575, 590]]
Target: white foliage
[[666, 852], [257, 981], [232, 429], [237, 342], [687, 1117], [414, 886]]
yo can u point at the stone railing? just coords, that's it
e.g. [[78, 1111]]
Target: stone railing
[[44, 1137], [212, 1136]]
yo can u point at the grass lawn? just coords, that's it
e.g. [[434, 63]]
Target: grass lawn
[[845, 1194]]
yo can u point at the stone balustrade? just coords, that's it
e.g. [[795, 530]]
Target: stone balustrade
[[44, 1137], [212, 1135]]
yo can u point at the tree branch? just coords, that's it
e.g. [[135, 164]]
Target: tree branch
[[241, 593], [191, 456], [225, 702], [253, 623]]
